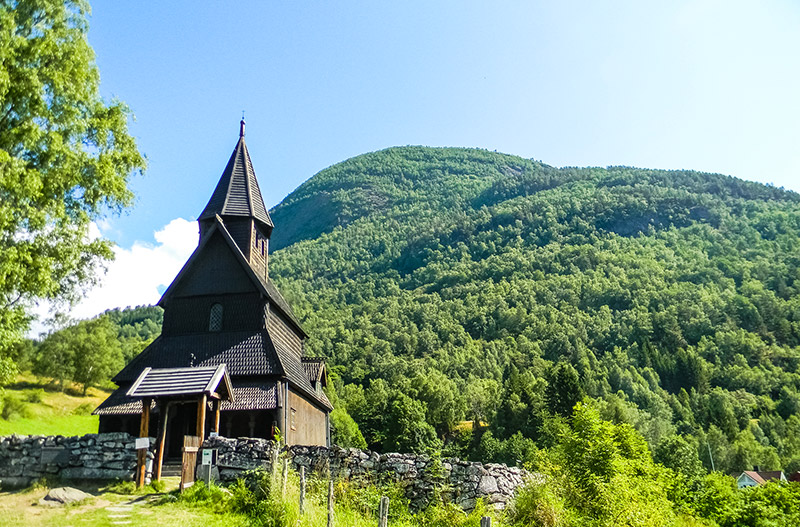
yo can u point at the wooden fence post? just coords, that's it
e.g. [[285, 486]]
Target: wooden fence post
[[486, 521], [383, 512], [302, 488], [330, 503]]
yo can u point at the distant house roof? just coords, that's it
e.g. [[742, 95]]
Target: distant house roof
[[759, 477], [170, 382], [237, 193]]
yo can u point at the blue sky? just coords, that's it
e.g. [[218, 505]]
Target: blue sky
[[706, 85]]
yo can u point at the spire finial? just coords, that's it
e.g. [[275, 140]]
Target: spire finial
[[241, 126]]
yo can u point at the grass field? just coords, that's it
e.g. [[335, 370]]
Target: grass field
[[32, 406]]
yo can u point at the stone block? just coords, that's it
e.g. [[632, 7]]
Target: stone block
[[487, 485]]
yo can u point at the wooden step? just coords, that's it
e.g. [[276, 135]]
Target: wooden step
[[170, 469]]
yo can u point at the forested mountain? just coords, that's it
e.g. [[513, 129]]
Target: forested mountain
[[446, 284]]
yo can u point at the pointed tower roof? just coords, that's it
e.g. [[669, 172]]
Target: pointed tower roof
[[237, 193]]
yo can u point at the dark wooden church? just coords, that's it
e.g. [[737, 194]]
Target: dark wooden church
[[230, 356]]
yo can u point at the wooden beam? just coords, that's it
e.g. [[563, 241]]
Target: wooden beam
[[141, 454], [201, 418], [217, 404], [162, 438]]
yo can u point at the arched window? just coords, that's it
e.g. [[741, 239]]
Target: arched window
[[215, 318]]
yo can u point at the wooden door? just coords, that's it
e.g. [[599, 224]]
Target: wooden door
[[191, 445]]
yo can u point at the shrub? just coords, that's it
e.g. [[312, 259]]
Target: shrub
[[34, 396], [13, 408], [83, 409]]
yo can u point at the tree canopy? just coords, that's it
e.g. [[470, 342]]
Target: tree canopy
[[65, 157]]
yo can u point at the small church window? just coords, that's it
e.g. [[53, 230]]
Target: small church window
[[215, 318]]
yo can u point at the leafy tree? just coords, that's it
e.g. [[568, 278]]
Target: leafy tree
[[344, 430], [97, 352], [406, 428], [56, 357], [65, 156], [87, 352], [521, 407], [680, 455], [8, 371]]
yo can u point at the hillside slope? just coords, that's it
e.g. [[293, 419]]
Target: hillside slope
[[448, 283]]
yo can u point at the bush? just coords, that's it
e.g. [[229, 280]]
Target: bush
[[157, 486], [83, 409], [34, 396], [540, 503], [13, 408]]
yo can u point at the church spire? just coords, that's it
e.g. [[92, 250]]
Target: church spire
[[237, 193], [238, 202]]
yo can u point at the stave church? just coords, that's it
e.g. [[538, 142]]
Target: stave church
[[230, 358]]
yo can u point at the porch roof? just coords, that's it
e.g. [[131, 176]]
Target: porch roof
[[212, 381]]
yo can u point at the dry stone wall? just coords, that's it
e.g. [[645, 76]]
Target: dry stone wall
[[421, 477], [24, 459]]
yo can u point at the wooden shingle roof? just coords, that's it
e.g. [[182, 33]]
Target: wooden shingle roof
[[237, 193], [247, 395], [169, 382], [244, 353]]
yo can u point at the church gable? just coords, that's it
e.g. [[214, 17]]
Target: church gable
[[213, 270]]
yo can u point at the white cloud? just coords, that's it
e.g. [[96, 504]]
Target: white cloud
[[137, 275]]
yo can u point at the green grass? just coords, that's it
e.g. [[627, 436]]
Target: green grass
[[41, 409], [66, 425]]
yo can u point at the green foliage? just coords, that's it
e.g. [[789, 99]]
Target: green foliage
[[564, 389], [137, 327], [34, 396], [344, 430], [406, 427], [8, 371], [83, 409], [65, 157], [257, 495], [121, 487], [88, 353], [13, 407], [598, 473]]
